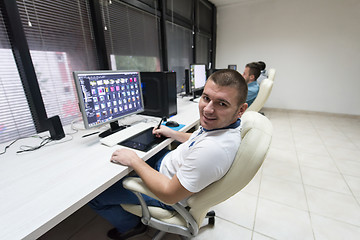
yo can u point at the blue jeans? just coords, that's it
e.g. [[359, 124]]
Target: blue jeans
[[107, 204]]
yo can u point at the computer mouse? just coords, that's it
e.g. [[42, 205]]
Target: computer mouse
[[171, 124]]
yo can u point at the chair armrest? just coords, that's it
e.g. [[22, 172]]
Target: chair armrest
[[137, 186]]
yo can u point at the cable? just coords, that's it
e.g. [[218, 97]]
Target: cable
[[9, 146], [31, 148]]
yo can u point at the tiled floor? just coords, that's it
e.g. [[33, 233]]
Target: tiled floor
[[307, 188]]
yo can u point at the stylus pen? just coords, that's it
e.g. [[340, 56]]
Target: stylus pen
[[86, 135], [160, 123]]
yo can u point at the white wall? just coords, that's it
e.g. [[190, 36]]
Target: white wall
[[313, 44]]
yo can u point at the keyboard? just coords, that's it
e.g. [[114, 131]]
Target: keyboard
[[124, 134]]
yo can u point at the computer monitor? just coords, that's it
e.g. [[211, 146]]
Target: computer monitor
[[106, 96], [197, 76], [232, 66]]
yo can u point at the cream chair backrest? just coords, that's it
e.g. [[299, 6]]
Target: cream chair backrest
[[271, 74], [256, 138], [264, 93]]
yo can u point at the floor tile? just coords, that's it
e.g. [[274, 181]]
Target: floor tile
[[282, 170], [339, 141], [349, 167], [339, 153], [96, 229], [281, 222], [224, 230], [286, 155], [325, 163], [71, 225], [282, 143], [323, 179], [303, 139], [333, 205], [239, 209], [354, 184], [320, 150], [328, 229], [285, 192], [258, 236], [253, 186]]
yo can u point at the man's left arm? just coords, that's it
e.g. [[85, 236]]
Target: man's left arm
[[167, 190]]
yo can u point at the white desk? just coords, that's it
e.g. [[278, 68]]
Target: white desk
[[40, 189]]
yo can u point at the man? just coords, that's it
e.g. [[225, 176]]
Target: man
[[251, 73], [202, 158]]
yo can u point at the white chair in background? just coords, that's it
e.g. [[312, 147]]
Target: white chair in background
[[264, 93], [271, 74]]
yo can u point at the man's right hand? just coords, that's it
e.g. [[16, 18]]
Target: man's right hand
[[170, 133]]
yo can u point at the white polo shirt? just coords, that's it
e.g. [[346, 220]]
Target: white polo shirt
[[204, 158]]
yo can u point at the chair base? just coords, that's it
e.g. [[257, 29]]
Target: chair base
[[210, 215]]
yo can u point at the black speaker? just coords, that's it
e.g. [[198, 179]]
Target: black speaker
[[159, 92], [55, 128]]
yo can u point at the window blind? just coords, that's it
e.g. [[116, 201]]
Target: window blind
[[182, 8], [204, 17], [179, 45], [202, 48], [15, 116], [131, 36], [60, 39]]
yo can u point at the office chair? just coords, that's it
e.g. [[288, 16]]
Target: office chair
[[264, 93], [271, 74], [256, 137]]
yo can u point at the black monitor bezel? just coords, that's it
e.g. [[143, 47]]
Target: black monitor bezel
[[81, 99]]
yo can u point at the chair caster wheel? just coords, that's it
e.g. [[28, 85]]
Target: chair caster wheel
[[211, 216]]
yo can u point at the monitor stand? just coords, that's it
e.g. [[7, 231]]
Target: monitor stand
[[114, 127], [196, 94]]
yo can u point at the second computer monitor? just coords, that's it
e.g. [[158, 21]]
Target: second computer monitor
[[232, 66], [197, 76]]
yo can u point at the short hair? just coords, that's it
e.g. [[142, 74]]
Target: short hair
[[262, 65], [231, 78], [255, 69]]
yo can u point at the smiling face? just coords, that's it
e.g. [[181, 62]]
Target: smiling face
[[218, 106]]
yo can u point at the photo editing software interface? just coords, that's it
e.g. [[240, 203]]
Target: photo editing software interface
[[106, 96]]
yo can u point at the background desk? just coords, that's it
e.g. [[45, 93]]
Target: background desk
[[40, 189]]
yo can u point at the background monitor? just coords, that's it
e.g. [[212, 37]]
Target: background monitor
[[106, 96], [197, 76], [232, 66]]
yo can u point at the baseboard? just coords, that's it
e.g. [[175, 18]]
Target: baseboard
[[311, 112]]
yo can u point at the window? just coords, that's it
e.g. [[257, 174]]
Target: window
[[202, 48], [60, 39], [182, 8], [179, 45], [132, 37], [15, 117]]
